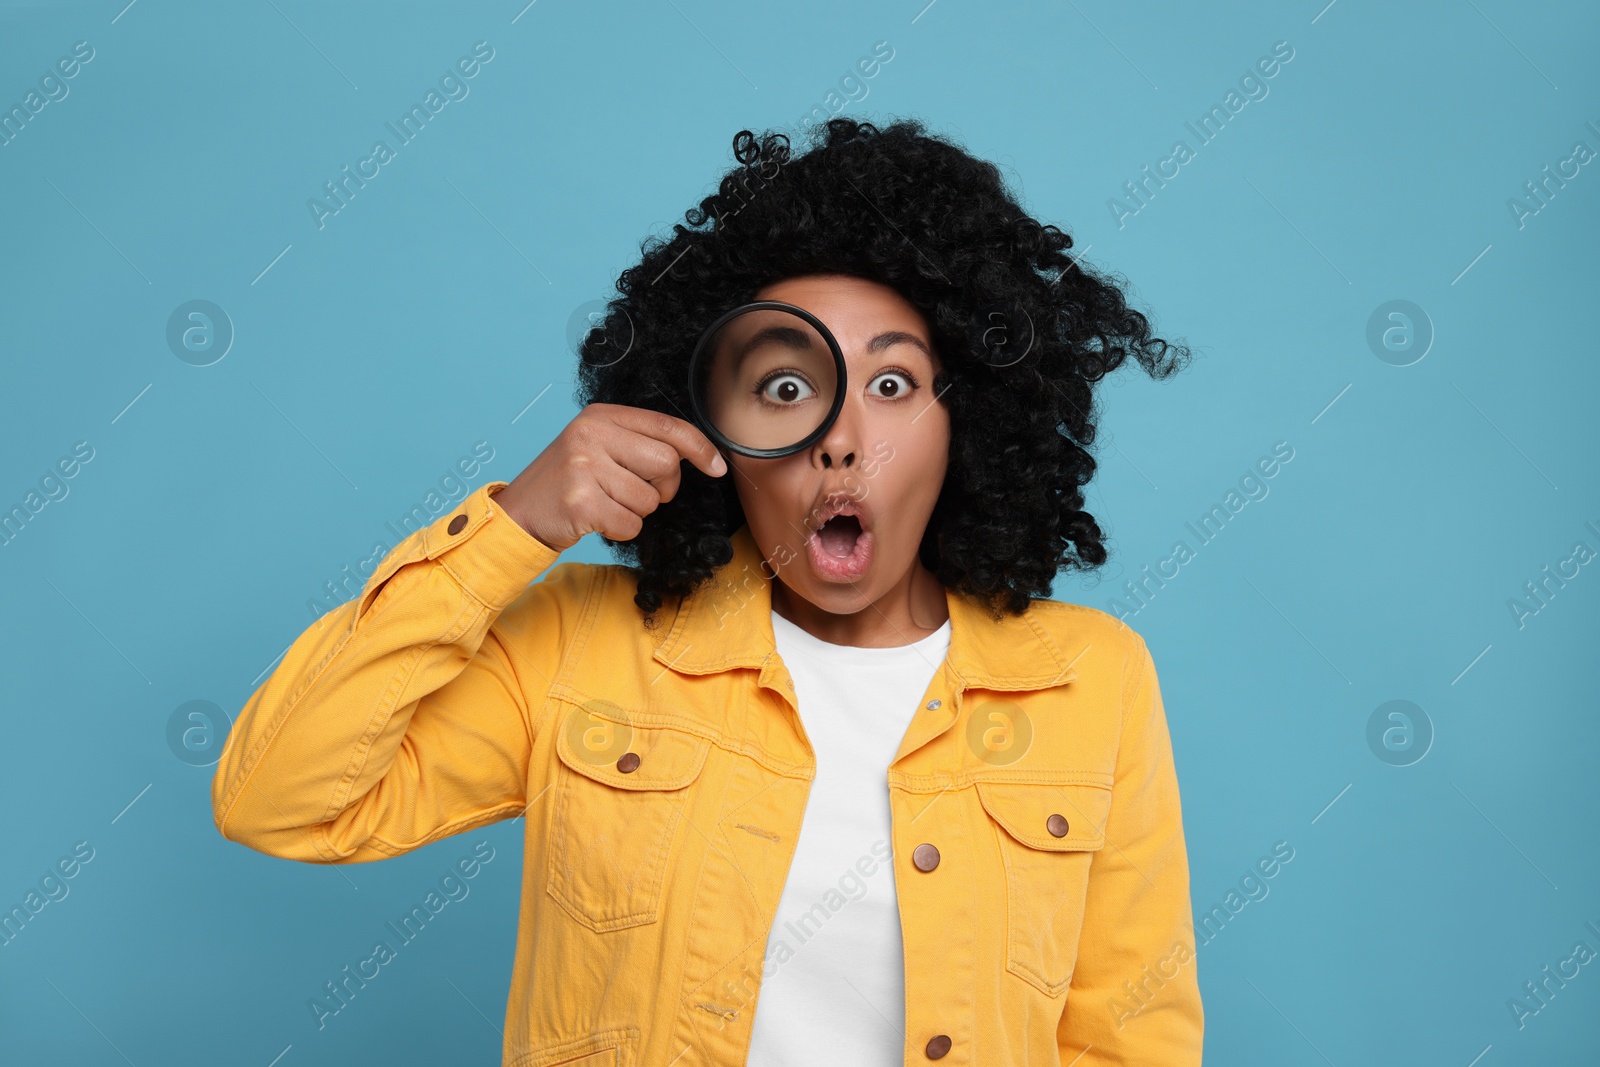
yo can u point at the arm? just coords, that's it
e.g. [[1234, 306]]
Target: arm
[[1135, 995], [403, 716]]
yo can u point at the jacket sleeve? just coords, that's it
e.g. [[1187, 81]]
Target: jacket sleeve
[[1135, 994], [404, 715]]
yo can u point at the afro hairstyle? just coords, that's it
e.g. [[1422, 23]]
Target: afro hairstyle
[[1024, 332]]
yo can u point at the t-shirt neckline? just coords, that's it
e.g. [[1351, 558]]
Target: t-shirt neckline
[[809, 643]]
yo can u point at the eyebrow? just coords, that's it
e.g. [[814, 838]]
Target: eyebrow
[[895, 337], [794, 338], [788, 336]]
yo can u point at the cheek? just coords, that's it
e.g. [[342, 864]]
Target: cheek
[[921, 452], [906, 482], [768, 490], [747, 482]]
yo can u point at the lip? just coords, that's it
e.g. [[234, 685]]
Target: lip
[[832, 568], [835, 504]]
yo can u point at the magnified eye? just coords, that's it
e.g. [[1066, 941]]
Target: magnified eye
[[785, 388], [893, 384]]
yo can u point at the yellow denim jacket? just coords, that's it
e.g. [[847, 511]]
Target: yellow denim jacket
[[664, 773]]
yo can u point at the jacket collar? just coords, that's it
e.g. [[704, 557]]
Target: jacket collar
[[727, 622]]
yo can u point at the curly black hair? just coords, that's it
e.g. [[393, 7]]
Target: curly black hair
[[1024, 332]]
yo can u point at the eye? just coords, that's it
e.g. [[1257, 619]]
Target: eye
[[895, 383], [784, 388]]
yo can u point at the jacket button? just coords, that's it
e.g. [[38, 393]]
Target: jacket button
[[628, 763], [457, 524], [938, 1045], [934, 705], [926, 858], [1057, 825]]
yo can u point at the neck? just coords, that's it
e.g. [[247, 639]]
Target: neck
[[910, 610]]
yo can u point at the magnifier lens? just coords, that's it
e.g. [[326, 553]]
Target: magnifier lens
[[766, 379]]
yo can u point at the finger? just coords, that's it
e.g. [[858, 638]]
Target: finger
[[666, 485], [684, 437], [652, 459], [610, 517], [627, 489], [619, 523]]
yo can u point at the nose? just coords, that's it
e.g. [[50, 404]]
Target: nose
[[841, 445]]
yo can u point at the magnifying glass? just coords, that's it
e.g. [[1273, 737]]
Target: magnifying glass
[[766, 380]]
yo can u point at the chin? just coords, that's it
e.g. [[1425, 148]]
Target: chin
[[835, 598]]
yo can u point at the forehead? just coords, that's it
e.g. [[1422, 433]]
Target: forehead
[[856, 310]]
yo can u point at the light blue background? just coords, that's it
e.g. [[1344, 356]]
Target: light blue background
[[434, 308]]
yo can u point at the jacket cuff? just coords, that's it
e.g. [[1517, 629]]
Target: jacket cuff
[[485, 549]]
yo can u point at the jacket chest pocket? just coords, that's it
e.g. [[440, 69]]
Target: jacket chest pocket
[[1047, 836], [621, 796]]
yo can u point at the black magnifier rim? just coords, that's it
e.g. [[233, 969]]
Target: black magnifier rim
[[811, 438]]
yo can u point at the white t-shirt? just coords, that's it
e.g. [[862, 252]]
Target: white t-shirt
[[833, 986]]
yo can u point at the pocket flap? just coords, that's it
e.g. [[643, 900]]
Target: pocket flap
[[1028, 810], [599, 747]]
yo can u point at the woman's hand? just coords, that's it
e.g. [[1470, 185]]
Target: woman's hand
[[610, 467]]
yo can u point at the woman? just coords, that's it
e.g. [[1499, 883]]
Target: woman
[[819, 775]]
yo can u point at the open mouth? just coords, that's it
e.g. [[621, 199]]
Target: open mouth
[[839, 535], [840, 549]]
